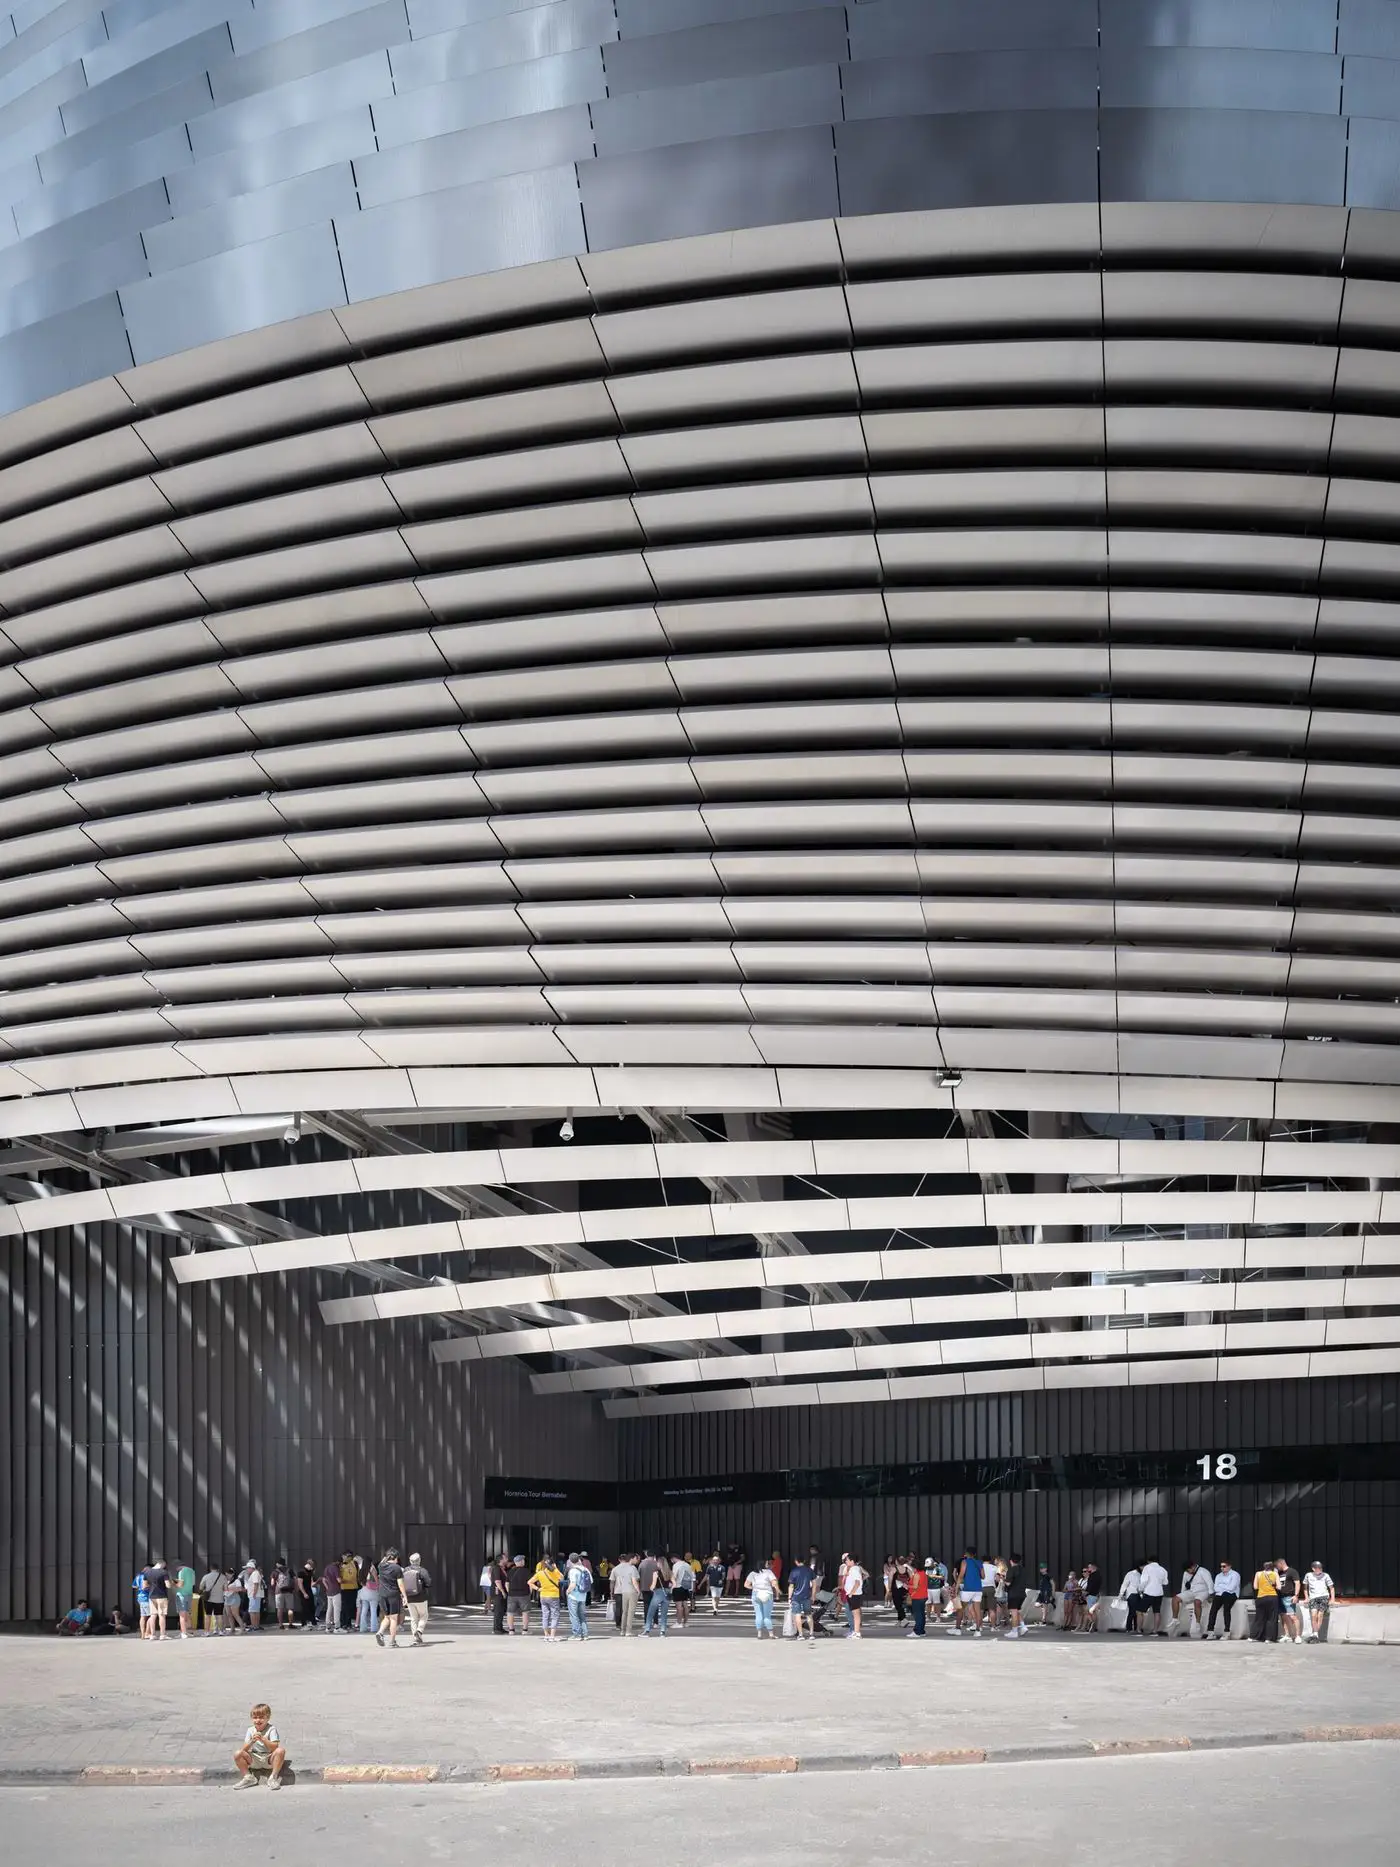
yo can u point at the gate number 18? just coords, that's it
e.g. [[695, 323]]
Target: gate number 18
[[1225, 1466]]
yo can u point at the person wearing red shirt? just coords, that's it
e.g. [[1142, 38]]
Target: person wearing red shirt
[[916, 1579]]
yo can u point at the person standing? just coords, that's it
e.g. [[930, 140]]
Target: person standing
[[234, 1597], [1091, 1588], [1265, 1602], [1045, 1593], [500, 1594], [214, 1588], [659, 1605], [306, 1593], [254, 1582], [1131, 1591], [184, 1598], [330, 1582], [415, 1585], [284, 1600], [647, 1571], [367, 1601], [682, 1589], [801, 1583], [1321, 1595], [918, 1599], [1288, 1584], [970, 1591], [486, 1581], [714, 1580], [578, 1584], [1225, 1595], [349, 1588], [157, 1579], [626, 1589], [517, 1597], [762, 1586], [1015, 1595], [853, 1588], [547, 1582], [1155, 1582], [899, 1589], [390, 1598]]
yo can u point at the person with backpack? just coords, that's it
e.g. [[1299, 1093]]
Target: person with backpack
[[578, 1585], [414, 1585]]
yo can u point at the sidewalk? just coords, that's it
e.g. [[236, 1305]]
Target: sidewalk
[[475, 1706]]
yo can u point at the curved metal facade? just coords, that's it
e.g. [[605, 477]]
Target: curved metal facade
[[883, 668], [930, 641], [175, 171]]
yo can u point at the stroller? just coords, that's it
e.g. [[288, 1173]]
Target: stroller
[[822, 1604]]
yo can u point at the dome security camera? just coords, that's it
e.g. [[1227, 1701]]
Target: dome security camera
[[292, 1133], [566, 1128]]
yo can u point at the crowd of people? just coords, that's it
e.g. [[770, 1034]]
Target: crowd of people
[[652, 1592], [645, 1593], [347, 1595]]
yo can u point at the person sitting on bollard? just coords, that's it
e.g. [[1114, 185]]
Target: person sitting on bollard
[[262, 1751]]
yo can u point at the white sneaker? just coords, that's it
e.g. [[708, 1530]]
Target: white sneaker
[[247, 1782], [275, 1780], [977, 1633]]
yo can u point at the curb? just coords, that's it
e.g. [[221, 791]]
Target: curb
[[141, 1775]]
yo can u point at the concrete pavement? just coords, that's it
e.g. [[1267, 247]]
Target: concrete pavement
[[470, 1700], [1283, 1808]]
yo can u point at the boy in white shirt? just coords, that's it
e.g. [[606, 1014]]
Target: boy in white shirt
[[1320, 1593], [262, 1749]]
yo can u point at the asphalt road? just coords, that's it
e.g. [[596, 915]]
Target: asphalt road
[[1281, 1808]]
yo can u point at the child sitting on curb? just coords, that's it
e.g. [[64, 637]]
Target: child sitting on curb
[[262, 1750]]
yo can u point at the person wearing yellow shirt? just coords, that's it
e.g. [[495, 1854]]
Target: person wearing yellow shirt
[[349, 1588], [546, 1582], [1266, 1604]]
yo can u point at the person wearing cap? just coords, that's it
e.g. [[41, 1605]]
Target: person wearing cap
[[414, 1585], [1321, 1595], [390, 1598]]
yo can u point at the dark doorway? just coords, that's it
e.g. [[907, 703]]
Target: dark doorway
[[574, 1538], [443, 1547]]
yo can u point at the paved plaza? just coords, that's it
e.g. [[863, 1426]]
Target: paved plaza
[[1240, 1808], [467, 1698]]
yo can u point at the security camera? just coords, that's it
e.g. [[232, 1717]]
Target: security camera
[[566, 1128], [292, 1133]]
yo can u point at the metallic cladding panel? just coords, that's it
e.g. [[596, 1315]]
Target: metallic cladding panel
[[209, 1421], [707, 116], [1352, 1526]]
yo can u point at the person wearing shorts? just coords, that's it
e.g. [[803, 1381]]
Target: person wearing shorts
[[1320, 1594], [184, 1598], [157, 1580], [714, 1580], [262, 1750], [970, 1593]]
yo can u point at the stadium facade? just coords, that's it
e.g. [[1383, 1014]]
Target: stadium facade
[[809, 595]]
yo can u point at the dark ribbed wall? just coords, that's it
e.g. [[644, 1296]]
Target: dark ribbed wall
[[219, 1421], [1355, 1528]]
